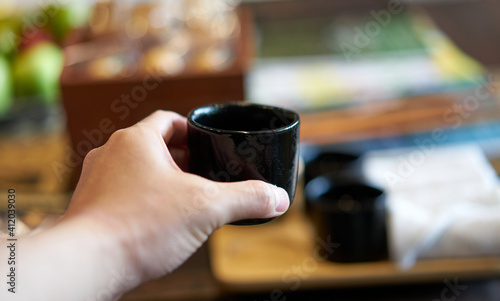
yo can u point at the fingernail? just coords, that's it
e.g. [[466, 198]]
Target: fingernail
[[282, 200]]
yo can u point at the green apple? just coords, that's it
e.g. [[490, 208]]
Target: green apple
[[5, 87], [65, 17], [36, 72]]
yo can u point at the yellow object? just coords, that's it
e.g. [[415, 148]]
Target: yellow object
[[452, 63]]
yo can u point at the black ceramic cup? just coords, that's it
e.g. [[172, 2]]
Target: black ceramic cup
[[239, 141], [351, 215], [343, 167]]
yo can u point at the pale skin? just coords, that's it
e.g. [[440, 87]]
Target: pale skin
[[135, 216]]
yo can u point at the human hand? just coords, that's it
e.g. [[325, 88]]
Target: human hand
[[134, 192]]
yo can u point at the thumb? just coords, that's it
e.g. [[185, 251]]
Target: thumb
[[251, 199]]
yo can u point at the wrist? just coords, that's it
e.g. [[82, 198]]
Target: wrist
[[108, 246], [91, 263]]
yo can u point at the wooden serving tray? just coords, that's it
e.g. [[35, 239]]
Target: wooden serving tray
[[280, 255]]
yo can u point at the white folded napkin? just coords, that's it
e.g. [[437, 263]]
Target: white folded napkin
[[443, 201]]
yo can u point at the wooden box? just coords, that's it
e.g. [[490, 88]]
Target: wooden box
[[96, 108]]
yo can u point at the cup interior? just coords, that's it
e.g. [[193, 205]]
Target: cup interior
[[242, 117]]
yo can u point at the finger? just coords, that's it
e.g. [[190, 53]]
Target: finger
[[251, 200], [170, 125], [89, 161]]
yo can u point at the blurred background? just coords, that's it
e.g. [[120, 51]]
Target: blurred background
[[407, 90]]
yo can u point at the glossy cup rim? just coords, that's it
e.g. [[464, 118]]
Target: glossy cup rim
[[316, 199], [295, 121]]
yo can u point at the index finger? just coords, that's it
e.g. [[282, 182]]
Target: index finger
[[170, 125]]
